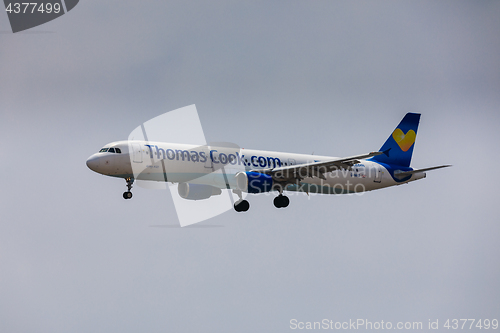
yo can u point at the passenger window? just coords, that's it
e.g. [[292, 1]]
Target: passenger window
[[111, 150], [118, 150], [103, 150]]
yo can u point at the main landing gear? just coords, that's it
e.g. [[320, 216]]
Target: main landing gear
[[281, 201], [240, 205], [128, 194]]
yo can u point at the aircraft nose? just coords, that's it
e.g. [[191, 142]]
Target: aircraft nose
[[93, 163]]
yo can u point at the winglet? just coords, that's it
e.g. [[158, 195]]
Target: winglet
[[386, 152]]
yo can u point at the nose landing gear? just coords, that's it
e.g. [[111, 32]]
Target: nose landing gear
[[281, 201], [128, 194]]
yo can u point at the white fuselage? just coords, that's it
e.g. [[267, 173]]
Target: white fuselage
[[218, 166]]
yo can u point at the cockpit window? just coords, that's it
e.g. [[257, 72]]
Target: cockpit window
[[111, 150]]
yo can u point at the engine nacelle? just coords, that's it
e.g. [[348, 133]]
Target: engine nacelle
[[197, 191], [254, 182]]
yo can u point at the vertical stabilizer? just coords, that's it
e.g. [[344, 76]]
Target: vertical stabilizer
[[399, 146]]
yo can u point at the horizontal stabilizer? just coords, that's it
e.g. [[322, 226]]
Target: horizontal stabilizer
[[409, 173]]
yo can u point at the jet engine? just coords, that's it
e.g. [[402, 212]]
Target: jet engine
[[197, 191], [254, 182]]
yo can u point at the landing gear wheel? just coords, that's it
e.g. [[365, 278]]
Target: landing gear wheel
[[281, 201], [241, 206], [285, 202], [277, 202], [128, 194]]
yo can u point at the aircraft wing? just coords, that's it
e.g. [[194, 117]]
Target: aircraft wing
[[314, 169]]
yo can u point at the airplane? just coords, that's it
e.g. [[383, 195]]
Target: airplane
[[204, 171]]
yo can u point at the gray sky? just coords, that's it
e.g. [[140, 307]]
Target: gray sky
[[328, 77]]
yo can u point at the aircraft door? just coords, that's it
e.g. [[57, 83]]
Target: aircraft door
[[208, 162], [137, 153], [378, 174]]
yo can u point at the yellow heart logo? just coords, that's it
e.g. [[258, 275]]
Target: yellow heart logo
[[404, 141]]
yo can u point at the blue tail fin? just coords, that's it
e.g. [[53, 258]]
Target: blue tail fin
[[399, 146]]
